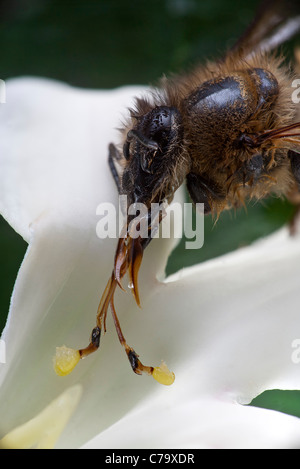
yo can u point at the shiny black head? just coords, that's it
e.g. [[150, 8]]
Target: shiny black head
[[152, 150]]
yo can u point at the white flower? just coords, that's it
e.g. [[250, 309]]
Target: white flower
[[226, 327]]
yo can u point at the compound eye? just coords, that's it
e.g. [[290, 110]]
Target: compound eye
[[160, 125], [153, 135], [145, 142]]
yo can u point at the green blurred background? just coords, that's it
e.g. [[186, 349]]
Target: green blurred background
[[110, 43]]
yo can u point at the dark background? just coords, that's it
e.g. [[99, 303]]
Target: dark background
[[110, 43]]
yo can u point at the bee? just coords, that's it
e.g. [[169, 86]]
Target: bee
[[228, 129]]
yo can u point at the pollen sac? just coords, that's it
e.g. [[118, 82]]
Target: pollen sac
[[163, 375], [65, 360]]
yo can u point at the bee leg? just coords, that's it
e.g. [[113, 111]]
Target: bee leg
[[295, 165], [114, 155], [132, 356], [294, 194], [160, 373], [197, 191]]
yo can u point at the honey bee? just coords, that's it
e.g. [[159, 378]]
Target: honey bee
[[228, 129]]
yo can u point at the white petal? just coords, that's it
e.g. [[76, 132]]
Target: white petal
[[241, 318], [226, 328], [53, 148], [203, 423], [52, 203]]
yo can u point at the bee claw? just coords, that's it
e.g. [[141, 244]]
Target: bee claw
[[121, 262], [136, 256]]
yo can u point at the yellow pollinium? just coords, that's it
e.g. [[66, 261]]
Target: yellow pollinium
[[163, 375], [65, 360]]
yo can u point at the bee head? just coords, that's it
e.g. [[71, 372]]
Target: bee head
[[152, 151]]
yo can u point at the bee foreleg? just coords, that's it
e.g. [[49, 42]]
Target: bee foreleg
[[114, 155], [295, 165], [197, 192]]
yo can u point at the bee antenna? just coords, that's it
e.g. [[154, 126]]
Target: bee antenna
[[145, 141]]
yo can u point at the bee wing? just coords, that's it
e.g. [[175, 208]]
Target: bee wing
[[275, 22]]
